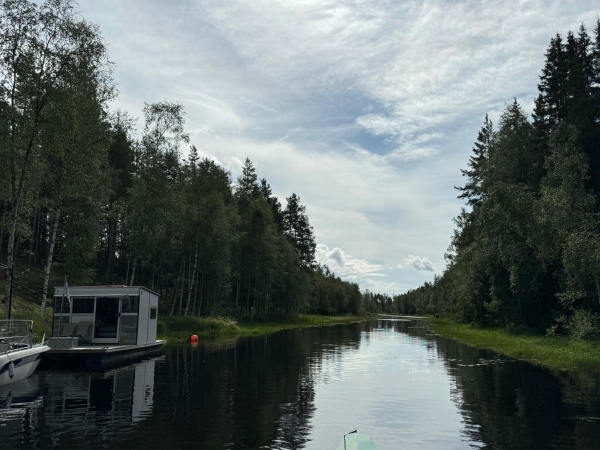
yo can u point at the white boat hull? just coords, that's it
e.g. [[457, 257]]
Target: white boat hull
[[25, 362]]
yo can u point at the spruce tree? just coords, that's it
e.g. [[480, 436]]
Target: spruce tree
[[472, 191], [549, 108], [267, 194], [247, 190], [298, 230]]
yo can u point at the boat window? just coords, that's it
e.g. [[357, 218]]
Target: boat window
[[153, 312], [83, 305], [128, 329], [130, 304]]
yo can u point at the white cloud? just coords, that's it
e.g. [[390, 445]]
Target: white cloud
[[368, 275], [417, 263], [366, 109]]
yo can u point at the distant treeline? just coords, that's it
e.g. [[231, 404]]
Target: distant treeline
[[526, 249], [81, 196]]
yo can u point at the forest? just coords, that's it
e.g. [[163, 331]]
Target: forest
[[85, 195], [525, 253]]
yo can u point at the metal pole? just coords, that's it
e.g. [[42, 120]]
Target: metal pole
[[61, 308]]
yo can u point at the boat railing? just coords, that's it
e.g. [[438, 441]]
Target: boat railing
[[15, 334]]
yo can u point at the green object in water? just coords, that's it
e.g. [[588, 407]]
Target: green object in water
[[356, 440]]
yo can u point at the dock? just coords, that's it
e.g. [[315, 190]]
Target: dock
[[102, 356]]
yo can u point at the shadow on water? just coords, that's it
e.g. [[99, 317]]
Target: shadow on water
[[404, 386]]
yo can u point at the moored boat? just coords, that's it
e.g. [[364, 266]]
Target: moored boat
[[19, 356]]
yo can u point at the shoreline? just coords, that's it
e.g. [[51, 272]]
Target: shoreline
[[176, 330], [553, 352]]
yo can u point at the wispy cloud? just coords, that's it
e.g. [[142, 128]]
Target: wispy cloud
[[366, 109]]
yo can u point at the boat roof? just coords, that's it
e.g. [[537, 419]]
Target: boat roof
[[115, 289]]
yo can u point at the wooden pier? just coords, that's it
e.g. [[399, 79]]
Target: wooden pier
[[101, 356]]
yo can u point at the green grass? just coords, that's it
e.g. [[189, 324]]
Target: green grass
[[179, 329], [23, 309], [548, 351]]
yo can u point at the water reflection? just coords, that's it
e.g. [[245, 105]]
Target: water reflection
[[76, 409], [302, 389]]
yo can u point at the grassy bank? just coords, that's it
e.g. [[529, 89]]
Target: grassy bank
[[548, 351], [179, 329]]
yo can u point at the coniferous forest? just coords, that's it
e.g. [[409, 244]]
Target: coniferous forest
[[84, 194], [526, 246]]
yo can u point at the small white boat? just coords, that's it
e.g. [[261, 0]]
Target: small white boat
[[19, 356]]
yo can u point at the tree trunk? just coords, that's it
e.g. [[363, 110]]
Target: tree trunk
[[128, 267], [176, 290], [192, 278], [48, 267], [37, 240], [183, 284], [201, 294], [196, 294], [36, 221], [153, 273], [135, 259], [112, 242], [10, 263]]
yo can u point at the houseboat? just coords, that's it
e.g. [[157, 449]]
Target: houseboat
[[96, 327]]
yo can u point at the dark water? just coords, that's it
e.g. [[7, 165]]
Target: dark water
[[304, 389]]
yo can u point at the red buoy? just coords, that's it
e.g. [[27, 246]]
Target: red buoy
[[194, 338]]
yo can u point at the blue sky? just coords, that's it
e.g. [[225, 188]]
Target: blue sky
[[366, 109]]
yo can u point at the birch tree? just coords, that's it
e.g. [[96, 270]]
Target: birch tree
[[39, 47]]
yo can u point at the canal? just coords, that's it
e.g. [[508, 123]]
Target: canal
[[303, 389]]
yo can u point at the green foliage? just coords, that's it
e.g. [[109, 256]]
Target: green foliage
[[82, 197], [298, 230], [526, 249]]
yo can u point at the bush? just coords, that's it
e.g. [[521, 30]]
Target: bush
[[583, 325]]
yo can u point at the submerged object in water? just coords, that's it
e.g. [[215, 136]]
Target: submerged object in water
[[355, 440]]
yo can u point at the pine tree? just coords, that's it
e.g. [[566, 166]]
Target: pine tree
[[267, 194], [549, 107], [299, 232], [595, 67], [473, 188], [247, 190]]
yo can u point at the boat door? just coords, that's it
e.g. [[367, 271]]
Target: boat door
[[107, 317]]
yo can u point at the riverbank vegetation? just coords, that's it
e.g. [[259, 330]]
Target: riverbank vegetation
[[526, 250], [559, 352], [179, 329], [83, 194]]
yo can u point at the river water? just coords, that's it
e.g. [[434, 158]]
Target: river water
[[303, 389]]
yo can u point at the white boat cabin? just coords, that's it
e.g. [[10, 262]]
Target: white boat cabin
[[106, 314]]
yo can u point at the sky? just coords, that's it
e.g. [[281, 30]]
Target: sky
[[365, 109]]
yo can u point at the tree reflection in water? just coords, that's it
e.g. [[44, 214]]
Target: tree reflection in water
[[511, 404], [304, 389]]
